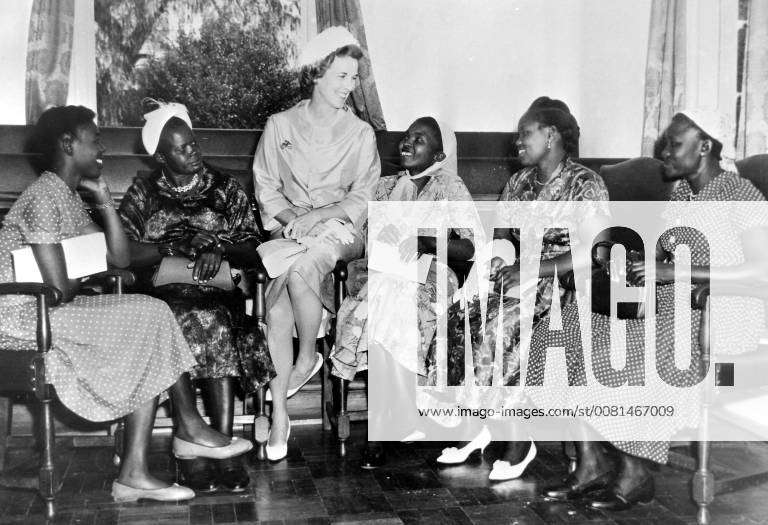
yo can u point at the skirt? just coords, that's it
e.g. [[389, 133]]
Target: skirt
[[350, 353], [224, 341], [111, 354]]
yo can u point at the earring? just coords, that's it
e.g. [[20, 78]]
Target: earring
[[549, 143]]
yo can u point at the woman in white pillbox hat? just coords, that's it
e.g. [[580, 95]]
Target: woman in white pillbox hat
[[315, 164]]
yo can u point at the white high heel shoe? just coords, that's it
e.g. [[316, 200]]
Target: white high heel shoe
[[454, 456], [278, 452], [503, 470]]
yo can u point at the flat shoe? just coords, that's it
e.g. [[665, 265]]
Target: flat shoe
[[278, 452], [292, 391], [572, 488], [614, 500], [231, 475], [197, 474], [188, 450], [122, 493]]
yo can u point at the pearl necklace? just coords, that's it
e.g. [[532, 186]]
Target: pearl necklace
[[182, 189]]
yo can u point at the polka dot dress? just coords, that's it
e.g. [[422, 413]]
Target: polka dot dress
[[740, 321], [111, 354]]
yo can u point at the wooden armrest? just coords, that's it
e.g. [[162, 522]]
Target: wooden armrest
[[127, 277], [257, 272], [340, 273], [51, 293]]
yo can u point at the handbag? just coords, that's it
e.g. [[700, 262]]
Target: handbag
[[177, 270]]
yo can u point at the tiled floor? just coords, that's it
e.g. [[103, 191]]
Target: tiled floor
[[315, 486]]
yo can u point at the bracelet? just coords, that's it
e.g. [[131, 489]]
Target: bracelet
[[166, 249], [104, 205]]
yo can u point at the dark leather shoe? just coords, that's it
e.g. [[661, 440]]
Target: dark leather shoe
[[373, 458], [198, 474], [572, 488], [231, 475], [613, 499]]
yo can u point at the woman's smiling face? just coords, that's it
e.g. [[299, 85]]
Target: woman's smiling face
[[531, 141], [420, 147], [338, 82], [88, 150]]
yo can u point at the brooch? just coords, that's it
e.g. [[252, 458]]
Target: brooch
[[286, 144]]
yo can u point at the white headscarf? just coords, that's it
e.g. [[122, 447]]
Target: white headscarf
[[405, 189], [717, 126], [325, 43], [156, 121]]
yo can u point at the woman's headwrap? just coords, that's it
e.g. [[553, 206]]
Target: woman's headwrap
[[156, 120], [450, 164], [325, 43], [717, 126]]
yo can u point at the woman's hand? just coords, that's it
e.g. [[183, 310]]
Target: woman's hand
[[302, 225], [497, 263], [97, 189], [206, 266], [507, 278], [665, 272], [203, 241]]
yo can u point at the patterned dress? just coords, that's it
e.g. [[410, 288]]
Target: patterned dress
[[740, 320], [225, 342], [350, 353], [572, 182], [111, 354]]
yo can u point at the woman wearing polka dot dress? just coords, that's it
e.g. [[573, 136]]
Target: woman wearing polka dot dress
[[736, 247], [112, 355]]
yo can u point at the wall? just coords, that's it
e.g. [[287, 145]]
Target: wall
[[480, 63]]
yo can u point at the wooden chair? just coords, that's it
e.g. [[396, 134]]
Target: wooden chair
[[24, 371], [336, 406], [753, 368]]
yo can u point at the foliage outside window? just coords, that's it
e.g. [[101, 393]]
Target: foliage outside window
[[227, 61]]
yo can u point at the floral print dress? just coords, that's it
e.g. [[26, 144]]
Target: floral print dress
[[225, 342], [571, 182], [350, 353]]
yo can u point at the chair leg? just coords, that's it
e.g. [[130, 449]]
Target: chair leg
[[261, 424], [6, 408], [48, 483], [326, 393], [703, 486], [342, 420], [118, 432]]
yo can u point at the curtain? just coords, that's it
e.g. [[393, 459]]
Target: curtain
[[365, 97], [665, 69], [753, 122], [49, 54]]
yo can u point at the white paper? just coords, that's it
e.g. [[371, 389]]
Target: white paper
[[386, 258], [84, 255]]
